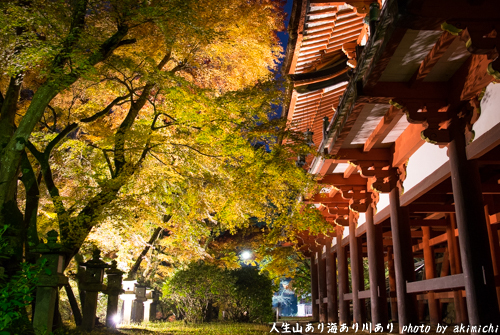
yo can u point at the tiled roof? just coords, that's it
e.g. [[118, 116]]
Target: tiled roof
[[327, 32]]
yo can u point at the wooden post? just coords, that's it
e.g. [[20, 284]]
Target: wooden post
[[376, 270], [361, 279], [314, 286], [355, 273], [455, 268], [392, 285], [477, 266], [77, 314], [331, 284], [344, 315], [322, 285], [494, 247], [114, 289], [430, 273], [445, 270], [403, 261]]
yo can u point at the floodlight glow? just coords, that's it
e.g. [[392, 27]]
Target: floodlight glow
[[246, 255], [116, 319]]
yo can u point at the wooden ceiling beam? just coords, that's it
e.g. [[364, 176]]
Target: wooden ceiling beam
[[381, 127], [308, 59], [490, 188], [305, 110], [434, 198], [322, 20], [310, 30], [323, 37], [320, 79], [322, 3], [305, 106], [348, 18], [326, 198], [342, 39], [348, 28], [428, 223], [407, 144], [305, 52], [431, 208], [324, 11], [357, 154], [414, 234], [427, 92], [338, 180], [350, 169], [315, 44], [432, 58], [375, 71], [309, 97]]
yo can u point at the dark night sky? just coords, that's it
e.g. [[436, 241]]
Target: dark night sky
[[283, 36]]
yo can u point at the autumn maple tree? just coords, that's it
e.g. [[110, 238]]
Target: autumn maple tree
[[117, 114]]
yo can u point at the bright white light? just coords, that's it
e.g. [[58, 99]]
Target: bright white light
[[116, 319], [246, 255]]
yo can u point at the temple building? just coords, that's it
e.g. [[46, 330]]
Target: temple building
[[400, 99]]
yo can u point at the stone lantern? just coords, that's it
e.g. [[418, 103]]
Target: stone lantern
[[155, 296], [51, 277], [114, 289], [128, 296], [147, 305], [140, 298], [92, 284]]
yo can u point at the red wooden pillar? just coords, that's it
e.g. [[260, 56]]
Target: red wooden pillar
[[362, 303], [403, 261], [356, 274], [430, 272], [314, 286], [322, 285], [392, 285], [455, 268], [494, 247], [344, 315], [376, 270], [331, 284], [477, 266]]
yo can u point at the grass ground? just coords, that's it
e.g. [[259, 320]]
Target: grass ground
[[179, 328], [225, 328]]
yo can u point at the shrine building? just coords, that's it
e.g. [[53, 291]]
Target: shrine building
[[400, 99]]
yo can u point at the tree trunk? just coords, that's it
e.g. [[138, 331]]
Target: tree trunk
[[133, 270]]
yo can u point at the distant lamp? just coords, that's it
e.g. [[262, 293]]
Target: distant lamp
[[308, 136], [246, 255], [301, 161]]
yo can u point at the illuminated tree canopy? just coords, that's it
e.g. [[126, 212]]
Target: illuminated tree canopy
[[116, 115]]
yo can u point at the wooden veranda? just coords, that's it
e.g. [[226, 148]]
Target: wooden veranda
[[401, 96]]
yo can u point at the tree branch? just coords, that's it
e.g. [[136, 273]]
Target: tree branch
[[43, 159], [30, 183], [77, 25], [110, 166], [105, 110], [133, 270], [126, 42], [58, 138]]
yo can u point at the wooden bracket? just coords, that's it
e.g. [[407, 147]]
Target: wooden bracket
[[434, 115], [481, 38]]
